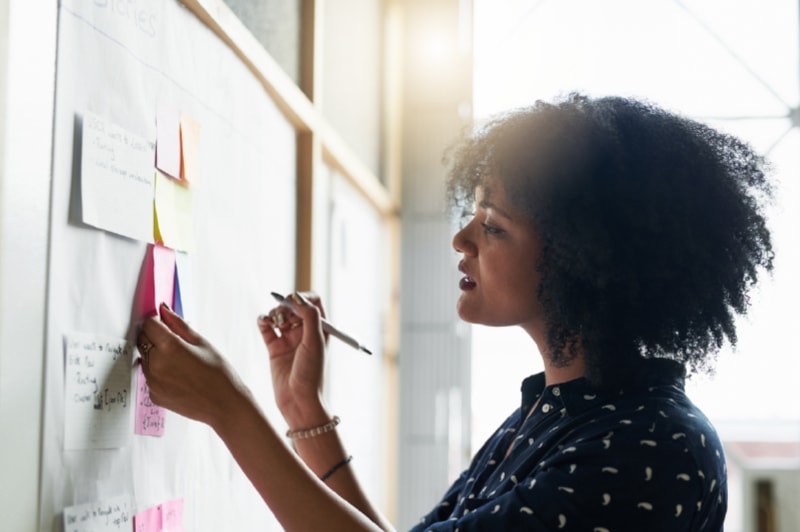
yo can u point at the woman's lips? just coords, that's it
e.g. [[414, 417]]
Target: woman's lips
[[466, 282]]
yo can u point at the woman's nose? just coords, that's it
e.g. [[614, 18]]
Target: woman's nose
[[462, 242]]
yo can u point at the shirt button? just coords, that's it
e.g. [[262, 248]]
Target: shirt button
[[557, 391], [545, 408]]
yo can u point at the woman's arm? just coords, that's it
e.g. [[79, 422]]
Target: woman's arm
[[187, 375]]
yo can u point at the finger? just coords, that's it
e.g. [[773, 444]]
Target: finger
[[314, 299], [311, 314], [267, 329], [157, 332], [176, 324]]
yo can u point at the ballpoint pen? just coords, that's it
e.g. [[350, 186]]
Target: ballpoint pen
[[327, 326]]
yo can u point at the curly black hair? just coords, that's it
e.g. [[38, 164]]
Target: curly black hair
[[652, 226]]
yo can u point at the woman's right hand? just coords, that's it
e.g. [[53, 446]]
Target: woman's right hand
[[296, 346]]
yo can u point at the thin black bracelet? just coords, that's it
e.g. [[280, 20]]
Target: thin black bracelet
[[336, 468]]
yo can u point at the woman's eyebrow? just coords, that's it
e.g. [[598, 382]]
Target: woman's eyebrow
[[486, 204]]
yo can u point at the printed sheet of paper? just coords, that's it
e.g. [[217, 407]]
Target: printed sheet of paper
[[173, 208], [111, 515], [97, 386], [168, 142], [117, 181]]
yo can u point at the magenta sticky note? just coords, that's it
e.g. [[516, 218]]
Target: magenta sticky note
[[156, 280], [150, 419], [168, 142], [148, 520], [172, 516]]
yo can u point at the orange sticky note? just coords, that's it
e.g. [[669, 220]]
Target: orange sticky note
[[190, 140]]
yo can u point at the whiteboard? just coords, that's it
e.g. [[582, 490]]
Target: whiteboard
[[121, 61]]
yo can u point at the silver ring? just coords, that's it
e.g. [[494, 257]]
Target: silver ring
[[144, 348]]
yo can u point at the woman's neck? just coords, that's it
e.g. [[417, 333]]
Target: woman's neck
[[556, 373]]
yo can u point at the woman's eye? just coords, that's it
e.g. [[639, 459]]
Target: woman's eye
[[490, 229]]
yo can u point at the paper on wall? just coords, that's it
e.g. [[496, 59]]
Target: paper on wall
[[116, 179], [97, 386], [110, 515]]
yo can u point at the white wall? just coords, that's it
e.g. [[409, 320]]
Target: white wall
[[27, 61]]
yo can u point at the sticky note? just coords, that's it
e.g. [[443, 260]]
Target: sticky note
[[156, 286], [97, 386], [173, 214], [156, 280], [148, 520], [172, 516], [166, 517], [110, 515], [116, 179], [184, 290], [168, 142], [150, 419], [190, 149]]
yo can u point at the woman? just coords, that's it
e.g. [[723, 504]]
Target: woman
[[623, 239]]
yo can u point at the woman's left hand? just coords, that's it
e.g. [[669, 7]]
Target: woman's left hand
[[184, 372]]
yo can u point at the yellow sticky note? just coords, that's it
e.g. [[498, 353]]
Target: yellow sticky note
[[174, 227], [190, 138]]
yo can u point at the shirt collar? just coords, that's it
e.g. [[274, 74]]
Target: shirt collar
[[579, 394]]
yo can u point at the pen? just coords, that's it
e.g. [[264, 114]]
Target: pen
[[327, 326]]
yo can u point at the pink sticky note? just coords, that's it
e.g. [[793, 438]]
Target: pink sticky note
[[168, 142], [172, 516], [156, 281], [148, 520], [150, 419], [190, 138]]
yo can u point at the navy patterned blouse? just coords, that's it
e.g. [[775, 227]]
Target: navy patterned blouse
[[642, 459]]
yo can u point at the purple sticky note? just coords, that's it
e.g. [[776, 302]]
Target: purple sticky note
[[150, 418], [148, 520], [177, 300], [168, 142]]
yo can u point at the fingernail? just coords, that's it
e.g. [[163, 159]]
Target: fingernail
[[297, 298], [263, 318], [164, 305]]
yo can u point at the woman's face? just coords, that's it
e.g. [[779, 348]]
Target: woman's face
[[500, 255]]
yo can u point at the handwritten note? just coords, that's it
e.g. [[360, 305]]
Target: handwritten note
[[166, 517], [173, 207], [110, 515], [168, 142], [116, 179], [151, 419], [97, 384]]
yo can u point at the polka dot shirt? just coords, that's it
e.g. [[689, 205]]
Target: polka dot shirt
[[641, 459]]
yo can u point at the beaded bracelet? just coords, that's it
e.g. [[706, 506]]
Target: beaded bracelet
[[336, 468], [303, 434]]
